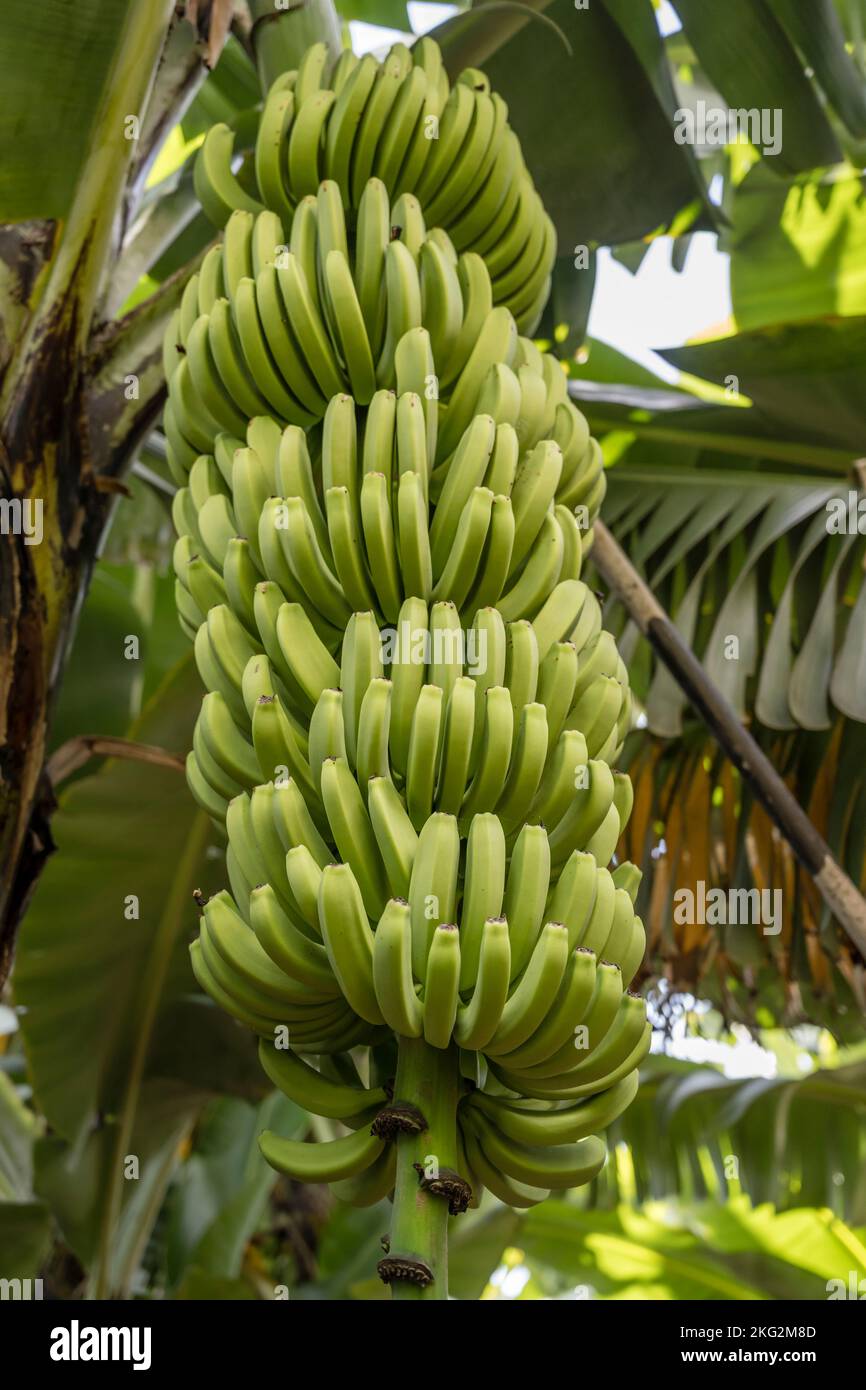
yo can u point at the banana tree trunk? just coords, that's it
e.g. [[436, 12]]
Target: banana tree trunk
[[55, 485]]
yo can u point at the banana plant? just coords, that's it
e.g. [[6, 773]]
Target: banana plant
[[157, 227], [162, 230]]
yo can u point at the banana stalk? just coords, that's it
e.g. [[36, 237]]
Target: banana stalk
[[416, 1264]]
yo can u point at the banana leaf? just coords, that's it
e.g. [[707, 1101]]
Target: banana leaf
[[790, 1141]]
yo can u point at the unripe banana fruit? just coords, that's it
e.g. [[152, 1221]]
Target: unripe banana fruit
[[448, 154], [413, 715]]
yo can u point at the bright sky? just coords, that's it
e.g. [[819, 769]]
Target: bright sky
[[634, 313]]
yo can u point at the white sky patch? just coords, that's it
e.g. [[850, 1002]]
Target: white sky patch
[[515, 1281], [424, 17], [373, 38], [657, 307], [510, 1280], [667, 19], [738, 1060]]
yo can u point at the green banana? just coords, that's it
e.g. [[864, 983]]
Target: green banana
[[353, 833], [392, 971], [334, 1161], [566, 1012], [396, 837], [526, 893], [348, 939], [483, 890], [534, 993], [457, 737], [433, 884], [478, 1020], [544, 1128], [509, 1191], [442, 985], [560, 1166], [313, 1091], [285, 944]]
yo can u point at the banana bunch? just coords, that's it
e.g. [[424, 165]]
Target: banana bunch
[[400, 123], [494, 951], [522, 1150], [523, 719], [451, 912], [495, 534], [496, 956], [277, 329], [413, 714], [519, 1148]]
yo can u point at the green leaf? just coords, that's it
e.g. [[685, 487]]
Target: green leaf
[[792, 1136], [798, 248], [689, 1251], [747, 55], [594, 134], [476, 1247], [88, 978], [200, 1285], [602, 363], [222, 1190], [75, 1180], [390, 14], [105, 706], [350, 1249], [816, 30], [771, 699], [804, 377], [738, 614], [232, 87], [631, 255], [63, 52], [568, 308], [813, 667], [639, 25], [198, 1045], [125, 600], [165, 213], [25, 1235], [848, 686]]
